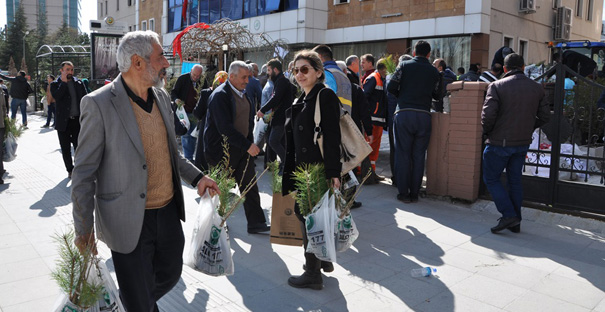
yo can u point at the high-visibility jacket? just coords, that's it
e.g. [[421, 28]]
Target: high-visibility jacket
[[373, 88]]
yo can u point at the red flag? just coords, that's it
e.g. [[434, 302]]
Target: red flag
[[185, 4], [176, 43]]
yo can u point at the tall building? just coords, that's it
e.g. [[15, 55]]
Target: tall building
[[57, 11]]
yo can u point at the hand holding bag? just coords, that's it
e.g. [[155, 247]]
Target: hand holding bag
[[353, 146]]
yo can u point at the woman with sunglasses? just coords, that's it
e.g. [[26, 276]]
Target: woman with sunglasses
[[301, 148]]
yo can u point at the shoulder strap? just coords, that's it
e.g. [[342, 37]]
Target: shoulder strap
[[317, 118]]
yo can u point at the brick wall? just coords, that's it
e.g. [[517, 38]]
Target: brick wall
[[360, 13], [454, 156]]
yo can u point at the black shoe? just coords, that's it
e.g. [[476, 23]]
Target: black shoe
[[414, 198], [307, 280], [1, 181], [259, 229], [515, 228], [505, 223], [69, 175], [326, 266], [45, 126], [404, 198], [356, 204]]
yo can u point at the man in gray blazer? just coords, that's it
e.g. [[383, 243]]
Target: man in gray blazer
[[128, 171]]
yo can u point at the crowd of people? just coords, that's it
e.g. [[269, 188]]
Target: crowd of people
[[126, 173]]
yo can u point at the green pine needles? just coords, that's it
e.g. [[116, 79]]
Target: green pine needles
[[311, 184], [11, 127], [72, 272], [276, 178], [222, 174]]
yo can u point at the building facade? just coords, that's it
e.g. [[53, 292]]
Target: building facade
[[121, 10], [57, 12], [460, 31]]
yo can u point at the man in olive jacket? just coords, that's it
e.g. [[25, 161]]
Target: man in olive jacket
[[514, 106]]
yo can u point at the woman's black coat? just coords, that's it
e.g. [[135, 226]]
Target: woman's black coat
[[300, 125]]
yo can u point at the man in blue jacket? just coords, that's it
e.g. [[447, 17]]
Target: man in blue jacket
[[230, 115], [415, 83]]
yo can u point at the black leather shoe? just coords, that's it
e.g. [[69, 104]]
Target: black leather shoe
[[515, 229], [505, 223], [259, 229], [326, 266], [1, 181], [356, 204], [414, 198], [307, 280], [404, 198]]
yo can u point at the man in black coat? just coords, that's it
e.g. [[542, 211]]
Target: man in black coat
[[283, 96], [68, 91], [185, 93], [352, 63], [415, 83], [230, 114], [20, 90]]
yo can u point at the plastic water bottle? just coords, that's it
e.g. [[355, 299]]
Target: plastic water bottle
[[427, 271]]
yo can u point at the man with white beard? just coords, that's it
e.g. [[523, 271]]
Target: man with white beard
[[127, 175]]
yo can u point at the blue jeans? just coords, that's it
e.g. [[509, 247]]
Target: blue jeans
[[189, 142], [412, 133], [495, 160], [51, 114], [19, 103]]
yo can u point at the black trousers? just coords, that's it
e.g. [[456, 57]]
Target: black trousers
[[200, 160], [244, 173], [2, 130], [68, 138], [154, 267]]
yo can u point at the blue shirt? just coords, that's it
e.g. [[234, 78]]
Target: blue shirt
[[330, 81], [267, 92]]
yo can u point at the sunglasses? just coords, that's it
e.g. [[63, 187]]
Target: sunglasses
[[303, 69]]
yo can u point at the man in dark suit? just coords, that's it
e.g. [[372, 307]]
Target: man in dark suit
[[127, 177], [230, 114], [185, 93], [68, 91]]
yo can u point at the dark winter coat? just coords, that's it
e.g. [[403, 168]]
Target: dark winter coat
[[60, 91], [219, 123], [415, 84], [283, 96], [300, 126], [514, 106], [20, 88]]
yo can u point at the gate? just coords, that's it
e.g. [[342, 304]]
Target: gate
[[565, 165]]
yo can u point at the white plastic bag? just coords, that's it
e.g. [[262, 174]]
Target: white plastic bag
[[110, 300], [10, 148], [260, 127], [346, 233], [321, 229], [182, 116], [196, 132], [210, 250]]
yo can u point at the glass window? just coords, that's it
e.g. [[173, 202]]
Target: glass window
[[215, 10], [193, 12], [455, 51], [271, 5], [117, 5], [101, 10], [144, 25], [291, 5], [129, 2], [590, 10], [174, 19], [231, 9], [204, 14], [579, 7], [152, 24], [250, 8]]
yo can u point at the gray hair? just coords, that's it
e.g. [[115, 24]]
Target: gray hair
[[405, 57], [264, 69], [342, 66], [351, 59], [136, 43], [236, 65]]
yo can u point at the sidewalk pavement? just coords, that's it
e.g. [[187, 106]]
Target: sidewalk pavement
[[555, 264]]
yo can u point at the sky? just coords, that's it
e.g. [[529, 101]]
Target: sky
[[88, 11]]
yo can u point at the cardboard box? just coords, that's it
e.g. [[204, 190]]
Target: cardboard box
[[285, 226]]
